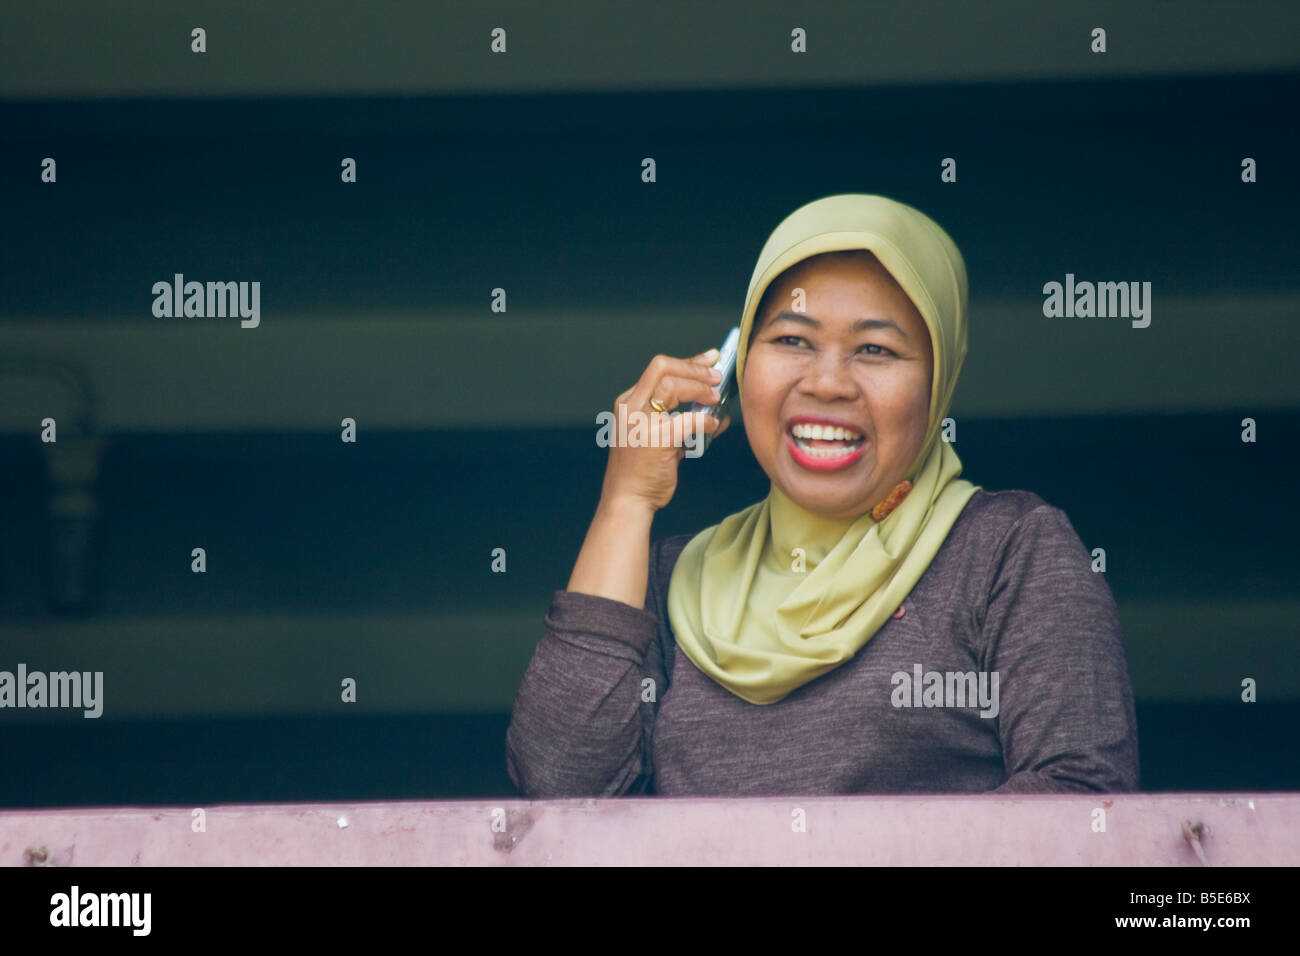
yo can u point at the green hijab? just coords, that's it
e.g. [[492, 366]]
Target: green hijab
[[738, 607]]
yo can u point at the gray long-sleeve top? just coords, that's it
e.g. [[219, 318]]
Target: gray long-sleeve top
[[610, 706]]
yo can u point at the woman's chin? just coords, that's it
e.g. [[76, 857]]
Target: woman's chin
[[813, 494]]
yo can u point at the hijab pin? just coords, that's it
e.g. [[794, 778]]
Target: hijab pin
[[892, 500]]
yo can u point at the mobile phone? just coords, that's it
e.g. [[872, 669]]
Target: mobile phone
[[726, 364]]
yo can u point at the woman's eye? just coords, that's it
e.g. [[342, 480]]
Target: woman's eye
[[883, 350]]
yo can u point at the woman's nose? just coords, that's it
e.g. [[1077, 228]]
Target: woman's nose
[[829, 375]]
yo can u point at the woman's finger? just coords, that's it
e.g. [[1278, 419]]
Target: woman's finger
[[662, 366], [673, 391], [692, 423]]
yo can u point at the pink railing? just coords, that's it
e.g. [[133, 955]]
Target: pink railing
[[1140, 829]]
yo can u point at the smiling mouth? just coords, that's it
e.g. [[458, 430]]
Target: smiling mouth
[[824, 447], [825, 441]]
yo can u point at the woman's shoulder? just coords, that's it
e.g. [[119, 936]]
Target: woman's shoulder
[[994, 522], [1000, 508], [665, 551]]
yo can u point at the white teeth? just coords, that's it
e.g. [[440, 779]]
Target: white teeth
[[805, 433], [825, 452], [824, 432]]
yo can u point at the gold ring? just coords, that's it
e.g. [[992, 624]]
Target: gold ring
[[657, 405]]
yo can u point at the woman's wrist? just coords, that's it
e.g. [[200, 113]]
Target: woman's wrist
[[626, 509]]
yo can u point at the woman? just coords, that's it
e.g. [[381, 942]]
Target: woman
[[876, 624]]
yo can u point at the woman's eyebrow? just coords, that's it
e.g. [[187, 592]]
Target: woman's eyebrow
[[861, 325]]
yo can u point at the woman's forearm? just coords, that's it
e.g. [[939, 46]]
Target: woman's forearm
[[614, 561]]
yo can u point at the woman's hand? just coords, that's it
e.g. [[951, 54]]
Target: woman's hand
[[647, 475]]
